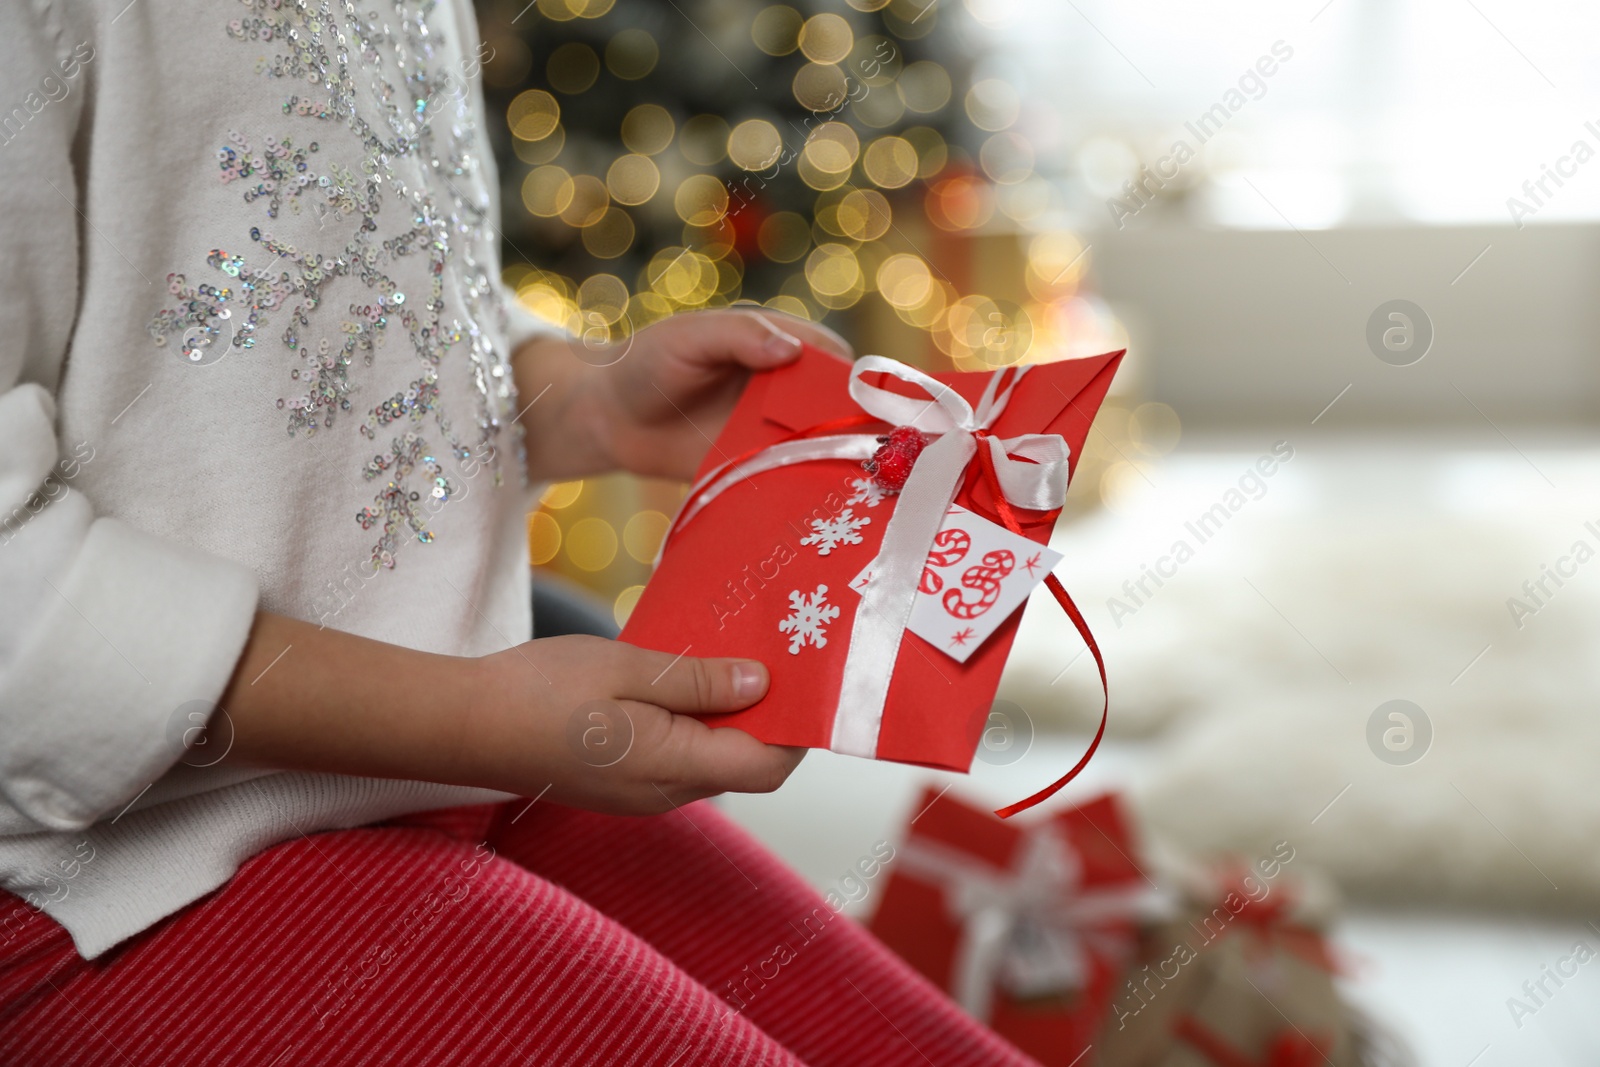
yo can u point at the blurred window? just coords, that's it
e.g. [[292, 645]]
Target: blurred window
[[1387, 111]]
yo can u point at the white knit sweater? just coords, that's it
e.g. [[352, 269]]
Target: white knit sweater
[[253, 351]]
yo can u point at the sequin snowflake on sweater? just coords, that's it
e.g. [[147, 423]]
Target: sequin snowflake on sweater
[[372, 86]]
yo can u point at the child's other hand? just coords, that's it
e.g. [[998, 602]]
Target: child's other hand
[[604, 726], [674, 383]]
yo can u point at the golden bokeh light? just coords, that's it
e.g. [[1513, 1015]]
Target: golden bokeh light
[[832, 148], [904, 280], [890, 162], [876, 61], [603, 299], [547, 191], [565, 10], [609, 236], [700, 200], [930, 310], [508, 63], [683, 276], [591, 544], [632, 54], [561, 495], [776, 30], [833, 272], [557, 10], [754, 144], [932, 152], [549, 297], [588, 202], [643, 533], [983, 333], [572, 68], [645, 308], [826, 38], [790, 305], [704, 140], [924, 86], [544, 538], [633, 179], [911, 19], [1056, 265], [864, 215], [626, 601], [647, 129], [879, 110], [960, 203], [533, 115], [538, 153], [820, 87]]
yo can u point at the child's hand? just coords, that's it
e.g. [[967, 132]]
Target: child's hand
[[673, 384], [593, 720]]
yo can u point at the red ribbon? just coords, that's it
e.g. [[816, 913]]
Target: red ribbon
[[1008, 518]]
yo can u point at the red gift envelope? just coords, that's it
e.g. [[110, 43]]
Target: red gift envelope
[[761, 563]]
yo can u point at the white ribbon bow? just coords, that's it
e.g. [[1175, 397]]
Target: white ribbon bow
[[1032, 472], [1028, 929]]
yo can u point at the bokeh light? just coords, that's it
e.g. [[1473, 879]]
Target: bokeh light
[[591, 544], [572, 69], [826, 38], [533, 115], [754, 144], [561, 495], [776, 30], [647, 129], [632, 54]]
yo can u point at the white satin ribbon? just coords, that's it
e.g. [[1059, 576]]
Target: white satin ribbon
[[1028, 929], [1032, 471]]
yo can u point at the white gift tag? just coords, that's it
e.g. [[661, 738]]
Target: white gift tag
[[977, 573]]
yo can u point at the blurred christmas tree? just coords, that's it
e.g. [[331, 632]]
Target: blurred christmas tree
[[819, 157], [691, 154]]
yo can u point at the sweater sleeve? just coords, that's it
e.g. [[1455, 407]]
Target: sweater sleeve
[[110, 638]]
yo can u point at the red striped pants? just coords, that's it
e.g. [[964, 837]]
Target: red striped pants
[[504, 934]]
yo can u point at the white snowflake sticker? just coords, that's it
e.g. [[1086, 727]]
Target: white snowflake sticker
[[867, 492], [809, 614], [829, 534]]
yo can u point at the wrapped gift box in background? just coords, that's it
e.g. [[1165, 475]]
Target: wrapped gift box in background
[[1030, 927]]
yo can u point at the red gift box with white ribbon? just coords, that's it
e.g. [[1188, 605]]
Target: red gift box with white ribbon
[[1028, 927], [791, 506]]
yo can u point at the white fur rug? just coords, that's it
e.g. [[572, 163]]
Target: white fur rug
[[1353, 580]]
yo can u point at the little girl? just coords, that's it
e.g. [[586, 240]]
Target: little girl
[[281, 782]]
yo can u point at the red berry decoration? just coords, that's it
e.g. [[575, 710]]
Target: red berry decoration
[[897, 452]]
